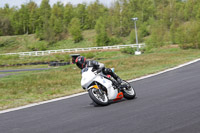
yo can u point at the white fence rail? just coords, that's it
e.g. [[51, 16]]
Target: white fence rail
[[47, 52]]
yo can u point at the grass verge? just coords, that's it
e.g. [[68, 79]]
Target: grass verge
[[30, 87], [24, 43]]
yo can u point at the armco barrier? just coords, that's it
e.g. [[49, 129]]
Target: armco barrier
[[47, 52]]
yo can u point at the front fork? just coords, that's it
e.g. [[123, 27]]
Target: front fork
[[99, 89]]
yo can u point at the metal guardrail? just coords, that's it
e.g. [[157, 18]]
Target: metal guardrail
[[47, 52]]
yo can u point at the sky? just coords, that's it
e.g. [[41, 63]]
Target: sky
[[74, 2]]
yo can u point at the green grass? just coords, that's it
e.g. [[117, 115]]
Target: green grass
[[10, 60], [89, 41], [30, 87], [16, 59], [68, 44], [25, 43], [19, 43]]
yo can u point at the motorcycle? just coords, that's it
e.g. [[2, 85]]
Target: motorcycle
[[102, 88]]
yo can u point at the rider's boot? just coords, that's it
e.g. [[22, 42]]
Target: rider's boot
[[121, 83], [118, 79]]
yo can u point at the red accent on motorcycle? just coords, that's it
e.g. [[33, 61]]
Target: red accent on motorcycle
[[119, 96], [108, 76]]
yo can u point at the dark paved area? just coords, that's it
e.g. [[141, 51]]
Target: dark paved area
[[4, 73], [20, 70], [168, 103]]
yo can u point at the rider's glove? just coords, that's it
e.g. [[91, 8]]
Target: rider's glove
[[97, 71]]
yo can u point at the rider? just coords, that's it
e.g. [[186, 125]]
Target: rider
[[81, 62]]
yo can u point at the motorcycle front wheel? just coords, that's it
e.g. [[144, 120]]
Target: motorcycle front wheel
[[129, 92], [98, 96]]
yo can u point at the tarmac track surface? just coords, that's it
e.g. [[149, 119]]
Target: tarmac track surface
[[167, 103]]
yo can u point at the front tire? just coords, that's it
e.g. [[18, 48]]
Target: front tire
[[129, 92], [97, 97]]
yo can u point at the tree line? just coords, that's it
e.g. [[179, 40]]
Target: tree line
[[160, 22]]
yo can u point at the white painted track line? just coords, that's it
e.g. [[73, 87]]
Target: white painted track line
[[39, 103], [167, 70]]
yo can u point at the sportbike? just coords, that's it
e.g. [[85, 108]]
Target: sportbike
[[102, 88]]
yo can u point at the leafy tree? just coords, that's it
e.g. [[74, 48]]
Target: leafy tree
[[5, 20], [101, 37], [142, 32], [68, 14], [32, 10], [56, 20], [155, 39], [189, 9], [44, 13], [126, 22], [132, 37], [160, 21], [114, 19], [81, 14], [75, 30], [95, 10], [5, 26], [189, 38], [24, 17]]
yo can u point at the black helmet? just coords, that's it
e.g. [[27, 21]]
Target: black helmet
[[81, 62]]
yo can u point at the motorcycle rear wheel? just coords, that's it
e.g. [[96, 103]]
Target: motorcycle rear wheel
[[97, 97]]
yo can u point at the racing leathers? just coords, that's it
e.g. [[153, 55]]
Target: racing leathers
[[107, 71]]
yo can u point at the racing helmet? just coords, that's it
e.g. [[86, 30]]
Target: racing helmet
[[80, 62]]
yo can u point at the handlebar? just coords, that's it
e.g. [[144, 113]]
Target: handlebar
[[99, 70]]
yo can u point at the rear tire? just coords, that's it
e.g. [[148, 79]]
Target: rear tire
[[100, 99], [129, 92]]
